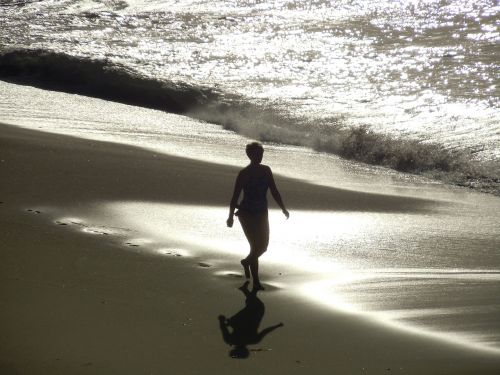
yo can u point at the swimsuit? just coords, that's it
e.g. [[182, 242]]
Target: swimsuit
[[255, 196], [252, 213]]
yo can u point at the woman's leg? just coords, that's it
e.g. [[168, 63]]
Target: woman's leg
[[248, 226], [260, 248], [256, 229]]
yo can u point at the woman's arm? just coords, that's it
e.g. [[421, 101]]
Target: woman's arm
[[276, 194], [234, 200]]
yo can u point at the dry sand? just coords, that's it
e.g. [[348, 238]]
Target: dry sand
[[76, 303]]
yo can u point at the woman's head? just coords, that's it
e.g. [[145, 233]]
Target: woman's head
[[255, 152]]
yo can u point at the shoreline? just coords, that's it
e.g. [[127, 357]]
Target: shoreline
[[148, 177], [83, 303]]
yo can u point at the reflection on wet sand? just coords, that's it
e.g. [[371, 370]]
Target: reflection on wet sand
[[242, 329]]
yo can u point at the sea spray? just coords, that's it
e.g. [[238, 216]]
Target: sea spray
[[355, 142]]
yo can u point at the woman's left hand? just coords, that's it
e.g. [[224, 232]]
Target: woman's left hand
[[286, 213]]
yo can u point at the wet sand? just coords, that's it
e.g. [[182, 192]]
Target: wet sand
[[80, 302]]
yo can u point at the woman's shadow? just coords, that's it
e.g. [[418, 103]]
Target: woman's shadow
[[245, 325]]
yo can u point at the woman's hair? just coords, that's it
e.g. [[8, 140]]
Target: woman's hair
[[254, 149]]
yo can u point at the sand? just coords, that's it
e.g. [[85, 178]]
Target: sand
[[76, 302]]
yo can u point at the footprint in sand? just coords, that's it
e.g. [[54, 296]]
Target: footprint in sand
[[97, 232], [172, 252], [131, 244], [204, 265], [105, 231], [33, 211]]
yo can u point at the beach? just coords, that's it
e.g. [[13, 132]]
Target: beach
[[123, 126], [78, 299]]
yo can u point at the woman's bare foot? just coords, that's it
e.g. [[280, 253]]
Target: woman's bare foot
[[257, 286]]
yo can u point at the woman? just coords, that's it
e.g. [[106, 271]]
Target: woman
[[254, 180]]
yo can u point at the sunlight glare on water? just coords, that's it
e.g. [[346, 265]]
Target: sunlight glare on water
[[402, 67]]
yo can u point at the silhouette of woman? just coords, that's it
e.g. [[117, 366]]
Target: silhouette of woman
[[254, 180], [245, 325]]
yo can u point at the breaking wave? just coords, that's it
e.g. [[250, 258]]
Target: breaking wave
[[110, 81]]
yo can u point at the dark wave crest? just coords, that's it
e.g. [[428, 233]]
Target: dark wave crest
[[100, 79], [110, 81]]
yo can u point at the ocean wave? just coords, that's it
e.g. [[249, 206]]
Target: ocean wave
[[100, 79], [266, 122], [359, 143]]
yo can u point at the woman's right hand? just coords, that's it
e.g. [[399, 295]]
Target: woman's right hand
[[286, 213], [230, 222]]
